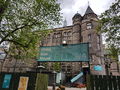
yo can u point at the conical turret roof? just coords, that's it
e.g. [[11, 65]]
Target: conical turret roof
[[89, 10], [77, 15]]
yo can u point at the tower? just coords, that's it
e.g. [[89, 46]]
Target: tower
[[77, 19], [65, 23], [89, 34]]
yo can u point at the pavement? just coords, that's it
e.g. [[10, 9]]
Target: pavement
[[67, 88], [75, 88]]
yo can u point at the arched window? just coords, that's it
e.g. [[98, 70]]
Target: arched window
[[89, 25], [69, 33], [56, 38], [65, 33]]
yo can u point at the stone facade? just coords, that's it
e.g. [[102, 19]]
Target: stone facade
[[83, 30]]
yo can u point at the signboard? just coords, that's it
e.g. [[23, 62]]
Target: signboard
[[71, 52], [77, 77], [23, 83], [58, 77], [98, 68], [6, 82]]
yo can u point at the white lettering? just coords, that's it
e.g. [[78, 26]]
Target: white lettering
[[45, 58], [46, 49], [44, 54]]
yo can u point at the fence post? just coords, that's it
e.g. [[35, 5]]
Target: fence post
[[88, 82]]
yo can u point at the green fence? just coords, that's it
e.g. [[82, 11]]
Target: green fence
[[42, 82], [31, 84], [103, 82]]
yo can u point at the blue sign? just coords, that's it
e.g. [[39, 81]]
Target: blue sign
[[98, 68], [71, 52], [6, 81]]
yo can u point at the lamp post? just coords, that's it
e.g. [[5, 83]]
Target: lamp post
[[107, 65], [64, 43], [54, 76], [40, 68]]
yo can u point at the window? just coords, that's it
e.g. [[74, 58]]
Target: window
[[56, 35], [69, 33], [89, 36], [98, 45], [56, 38], [67, 36], [98, 38], [89, 25], [65, 33], [44, 42], [98, 42]]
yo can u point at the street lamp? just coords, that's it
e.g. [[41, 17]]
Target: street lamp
[[64, 43], [54, 84], [40, 68]]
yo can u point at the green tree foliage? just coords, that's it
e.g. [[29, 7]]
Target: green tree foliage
[[31, 41], [41, 82], [113, 52], [57, 66], [110, 24], [3, 7], [24, 22], [25, 15]]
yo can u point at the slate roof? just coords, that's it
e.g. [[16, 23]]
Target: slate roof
[[76, 15], [89, 10]]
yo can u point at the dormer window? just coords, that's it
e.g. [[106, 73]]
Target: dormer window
[[89, 25]]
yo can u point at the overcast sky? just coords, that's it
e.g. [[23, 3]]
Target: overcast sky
[[71, 7]]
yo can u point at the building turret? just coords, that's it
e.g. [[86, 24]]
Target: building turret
[[65, 23], [88, 34], [77, 18], [89, 13]]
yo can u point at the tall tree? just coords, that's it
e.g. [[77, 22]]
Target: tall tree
[[3, 7], [23, 24], [25, 15], [31, 42], [113, 52], [110, 24]]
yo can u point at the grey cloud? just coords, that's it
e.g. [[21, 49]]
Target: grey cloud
[[82, 10], [66, 3], [70, 7]]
